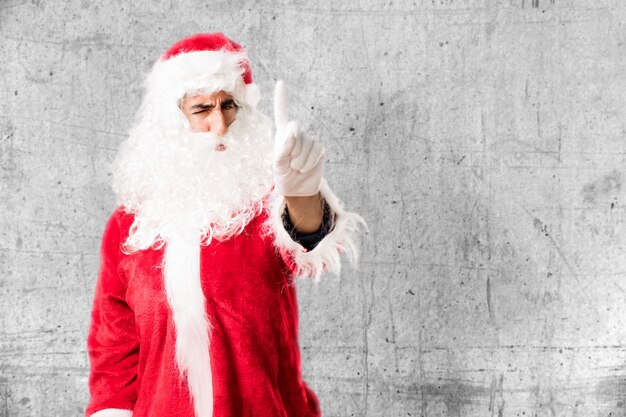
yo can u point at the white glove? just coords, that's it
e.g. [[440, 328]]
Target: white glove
[[298, 159]]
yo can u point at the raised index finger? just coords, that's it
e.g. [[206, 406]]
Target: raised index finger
[[280, 105]]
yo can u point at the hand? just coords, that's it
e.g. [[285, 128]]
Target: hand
[[298, 159]]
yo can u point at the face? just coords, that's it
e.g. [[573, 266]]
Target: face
[[210, 112]]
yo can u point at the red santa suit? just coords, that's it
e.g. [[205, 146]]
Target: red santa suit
[[192, 327], [251, 300]]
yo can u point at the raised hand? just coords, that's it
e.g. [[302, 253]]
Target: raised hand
[[298, 159]]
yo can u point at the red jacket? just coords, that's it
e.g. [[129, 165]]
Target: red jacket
[[251, 301]]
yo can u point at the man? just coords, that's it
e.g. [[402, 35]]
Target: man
[[195, 310]]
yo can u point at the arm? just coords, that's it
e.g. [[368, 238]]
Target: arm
[[310, 240], [298, 167], [306, 213], [324, 257], [298, 174], [112, 343]]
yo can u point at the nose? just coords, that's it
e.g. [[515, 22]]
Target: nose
[[218, 123]]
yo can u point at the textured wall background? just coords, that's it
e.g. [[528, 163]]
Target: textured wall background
[[484, 141]]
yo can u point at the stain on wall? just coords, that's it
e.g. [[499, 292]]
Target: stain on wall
[[606, 187]]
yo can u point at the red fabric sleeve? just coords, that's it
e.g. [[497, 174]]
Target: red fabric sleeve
[[112, 343]]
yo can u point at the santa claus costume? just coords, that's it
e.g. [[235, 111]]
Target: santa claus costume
[[195, 311]]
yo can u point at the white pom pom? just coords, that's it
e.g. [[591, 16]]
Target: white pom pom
[[252, 95]]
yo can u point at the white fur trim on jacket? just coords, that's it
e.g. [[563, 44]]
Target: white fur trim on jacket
[[326, 256], [113, 412]]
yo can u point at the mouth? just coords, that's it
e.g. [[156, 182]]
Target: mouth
[[220, 147]]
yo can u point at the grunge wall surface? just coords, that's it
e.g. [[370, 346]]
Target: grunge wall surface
[[483, 141]]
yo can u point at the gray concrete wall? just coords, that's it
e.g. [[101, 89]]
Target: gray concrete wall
[[484, 142]]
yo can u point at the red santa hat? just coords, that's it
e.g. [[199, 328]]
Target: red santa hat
[[202, 63], [208, 42]]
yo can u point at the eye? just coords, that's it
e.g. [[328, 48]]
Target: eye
[[229, 105]]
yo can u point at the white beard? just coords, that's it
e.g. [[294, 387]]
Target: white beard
[[177, 183]]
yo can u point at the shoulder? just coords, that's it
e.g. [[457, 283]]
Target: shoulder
[[117, 228], [123, 217]]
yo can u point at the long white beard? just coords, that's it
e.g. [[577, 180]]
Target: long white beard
[[177, 183]]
